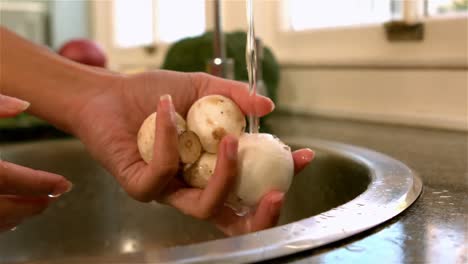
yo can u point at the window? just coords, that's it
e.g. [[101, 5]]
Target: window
[[446, 7], [304, 14], [142, 22], [133, 23]]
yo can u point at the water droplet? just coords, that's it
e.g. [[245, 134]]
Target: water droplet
[[13, 229], [436, 192], [239, 210], [355, 248], [445, 196], [54, 195]]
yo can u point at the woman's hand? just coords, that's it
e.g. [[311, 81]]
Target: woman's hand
[[105, 110], [23, 191], [108, 124]]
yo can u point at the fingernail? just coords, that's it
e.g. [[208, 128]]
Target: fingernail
[[276, 201], [166, 103], [231, 148], [272, 105], [307, 155], [277, 198], [14, 103], [61, 188]]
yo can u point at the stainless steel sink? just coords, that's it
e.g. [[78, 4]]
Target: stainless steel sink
[[345, 191]]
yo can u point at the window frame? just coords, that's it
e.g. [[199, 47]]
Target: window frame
[[444, 44]]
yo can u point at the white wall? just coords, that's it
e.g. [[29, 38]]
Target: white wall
[[435, 98]]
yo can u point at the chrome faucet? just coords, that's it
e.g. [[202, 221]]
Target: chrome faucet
[[220, 65]]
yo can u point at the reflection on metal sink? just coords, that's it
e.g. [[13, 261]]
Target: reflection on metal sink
[[345, 191]]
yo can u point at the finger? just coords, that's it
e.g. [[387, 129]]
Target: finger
[[204, 203], [165, 161], [15, 179], [268, 211], [13, 208], [237, 91], [10, 106], [215, 193], [302, 158], [265, 216]]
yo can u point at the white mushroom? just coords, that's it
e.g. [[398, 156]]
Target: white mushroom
[[145, 138], [200, 172], [264, 164], [212, 117]]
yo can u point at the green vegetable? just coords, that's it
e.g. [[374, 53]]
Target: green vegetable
[[21, 121], [193, 54]]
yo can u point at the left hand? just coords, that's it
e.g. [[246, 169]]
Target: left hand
[[24, 191], [108, 123]]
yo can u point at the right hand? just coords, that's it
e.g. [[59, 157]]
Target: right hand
[[108, 123], [24, 191]]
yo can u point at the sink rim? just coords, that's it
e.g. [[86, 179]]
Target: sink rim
[[401, 184]]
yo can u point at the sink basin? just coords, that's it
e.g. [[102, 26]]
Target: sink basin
[[345, 191]]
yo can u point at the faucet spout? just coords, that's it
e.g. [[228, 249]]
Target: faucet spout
[[219, 48]]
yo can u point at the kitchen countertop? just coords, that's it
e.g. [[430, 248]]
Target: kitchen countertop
[[434, 229]]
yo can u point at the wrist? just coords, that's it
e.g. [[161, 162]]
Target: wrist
[[94, 86]]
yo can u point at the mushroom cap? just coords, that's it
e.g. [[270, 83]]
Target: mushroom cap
[[200, 172], [145, 138], [264, 164], [214, 116]]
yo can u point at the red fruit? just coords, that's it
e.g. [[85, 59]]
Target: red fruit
[[84, 51]]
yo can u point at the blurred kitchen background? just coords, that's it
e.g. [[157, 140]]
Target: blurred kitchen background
[[403, 62]]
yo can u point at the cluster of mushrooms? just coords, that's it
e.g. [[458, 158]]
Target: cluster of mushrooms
[[264, 162]]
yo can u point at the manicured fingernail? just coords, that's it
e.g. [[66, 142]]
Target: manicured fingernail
[[276, 201], [166, 98], [166, 103], [307, 155], [14, 103], [277, 198], [231, 148], [272, 105], [61, 188]]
